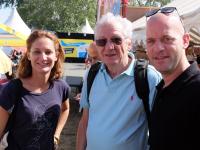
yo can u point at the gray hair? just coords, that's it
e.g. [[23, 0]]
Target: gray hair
[[109, 18]]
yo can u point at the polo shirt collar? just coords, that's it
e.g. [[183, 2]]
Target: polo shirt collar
[[129, 71]]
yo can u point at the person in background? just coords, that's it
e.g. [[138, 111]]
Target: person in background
[[197, 53], [113, 116], [15, 57], [43, 107], [5, 68], [190, 54], [175, 117], [92, 55], [90, 60], [198, 60]]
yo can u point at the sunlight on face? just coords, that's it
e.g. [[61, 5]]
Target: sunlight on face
[[113, 45], [42, 55], [165, 42]]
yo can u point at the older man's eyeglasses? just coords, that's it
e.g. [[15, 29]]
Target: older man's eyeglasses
[[115, 40]]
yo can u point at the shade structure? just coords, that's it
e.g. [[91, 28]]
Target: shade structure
[[188, 10], [87, 28], [194, 35], [5, 63], [9, 37]]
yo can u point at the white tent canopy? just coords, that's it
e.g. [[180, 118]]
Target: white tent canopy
[[87, 28], [11, 18], [188, 10]]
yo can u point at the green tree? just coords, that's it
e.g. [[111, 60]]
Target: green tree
[[157, 3], [7, 3], [58, 15]]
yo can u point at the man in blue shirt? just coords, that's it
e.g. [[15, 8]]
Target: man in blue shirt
[[114, 117]]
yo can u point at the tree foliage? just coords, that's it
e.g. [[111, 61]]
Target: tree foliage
[[156, 3], [64, 15], [7, 3], [58, 15]]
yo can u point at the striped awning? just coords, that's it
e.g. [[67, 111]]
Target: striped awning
[[9, 37], [194, 35]]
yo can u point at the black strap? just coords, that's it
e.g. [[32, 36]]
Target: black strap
[[91, 75], [142, 85], [17, 85]]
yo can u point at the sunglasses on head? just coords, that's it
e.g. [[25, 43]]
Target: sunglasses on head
[[115, 40], [164, 10]]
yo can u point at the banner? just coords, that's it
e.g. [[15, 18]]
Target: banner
[[116, 7], [75, 44], [105, 6]]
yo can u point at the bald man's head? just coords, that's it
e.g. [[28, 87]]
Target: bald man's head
[[166, 42], [167, 20]]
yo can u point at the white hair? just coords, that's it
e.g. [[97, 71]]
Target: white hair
[[109, 18]]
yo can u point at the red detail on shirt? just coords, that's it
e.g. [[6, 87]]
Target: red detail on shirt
[[132, 98]]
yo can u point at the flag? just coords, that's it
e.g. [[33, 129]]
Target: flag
[[112, 6], [124, 1], [116, 7]]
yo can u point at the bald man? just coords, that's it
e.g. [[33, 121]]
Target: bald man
[[175, 116]]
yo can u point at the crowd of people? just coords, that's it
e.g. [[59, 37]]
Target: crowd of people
[[15, 57], [113, 115], [8, 65], [5, 68]]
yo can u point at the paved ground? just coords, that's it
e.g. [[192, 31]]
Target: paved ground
[[68, 136], [74, 69]]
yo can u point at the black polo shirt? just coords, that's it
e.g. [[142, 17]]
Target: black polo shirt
[[175, 117]]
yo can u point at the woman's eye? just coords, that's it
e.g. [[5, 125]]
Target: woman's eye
[[36, 52], [48, 52]]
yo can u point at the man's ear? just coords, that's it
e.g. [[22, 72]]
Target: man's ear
[[186, 40]]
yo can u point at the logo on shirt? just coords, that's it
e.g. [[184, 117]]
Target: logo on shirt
[[132, 98]]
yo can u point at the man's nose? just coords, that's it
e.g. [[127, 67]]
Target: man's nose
[[159, 45], [109, 44]]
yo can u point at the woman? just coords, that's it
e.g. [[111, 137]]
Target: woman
[[43, 106]]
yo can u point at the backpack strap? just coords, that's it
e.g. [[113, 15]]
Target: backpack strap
[[142, 85], [141, 82], [91, 75]]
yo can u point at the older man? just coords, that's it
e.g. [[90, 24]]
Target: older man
[[113, 117], [175, 117]]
